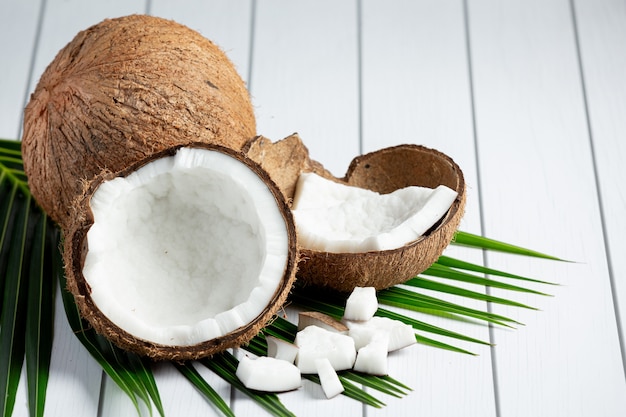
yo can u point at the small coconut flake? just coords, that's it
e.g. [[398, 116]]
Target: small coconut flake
[[315, 342], [268, 374], [372, 358], [361, 304], [338, 218], [400, 334], [331, 385], [316, 318], [281, 349]]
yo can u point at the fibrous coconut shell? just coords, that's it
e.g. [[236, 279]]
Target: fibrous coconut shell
[[284, 160], [120, 91], [383, 171], [76, 247]]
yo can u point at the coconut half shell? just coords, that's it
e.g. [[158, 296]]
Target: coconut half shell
[[120, 91], [383, 171], [77, 247]]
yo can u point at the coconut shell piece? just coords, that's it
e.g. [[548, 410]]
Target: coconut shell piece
[[76, 247], [284, 160], [121, 90], [319, 319], [384, 171]]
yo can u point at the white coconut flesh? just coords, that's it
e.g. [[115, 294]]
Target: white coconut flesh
[[361, 305], [281, 349], [331, 384], [185, 249], [268, 374], [339, 218], [315, 342]]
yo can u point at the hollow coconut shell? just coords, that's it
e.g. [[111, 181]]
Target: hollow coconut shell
[[76, 247], [383, 171], [120, 91]]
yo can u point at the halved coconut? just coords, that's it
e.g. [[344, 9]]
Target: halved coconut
[[182, 255], [384, 172], [120, 91]]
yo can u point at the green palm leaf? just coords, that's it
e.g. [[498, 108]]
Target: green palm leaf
[[451, 289], [13, 321], [144, 374], [40, 316], [30, 265], [133, 379], [446, 261], [26, 280], [414, 301], [188, 370], [352, 391], [383, 384], [443, 271], [481, 242]]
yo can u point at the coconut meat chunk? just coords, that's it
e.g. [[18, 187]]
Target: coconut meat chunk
[[339, 218], [268, 374], [185, 249]]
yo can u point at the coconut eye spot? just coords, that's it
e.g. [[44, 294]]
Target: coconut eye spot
[[185, 249]]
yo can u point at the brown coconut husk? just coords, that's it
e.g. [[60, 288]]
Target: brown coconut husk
[[285, 160], [120, 91], [76, 247], [383, 171]]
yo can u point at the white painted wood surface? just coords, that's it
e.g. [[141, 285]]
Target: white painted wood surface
[[527, 96]]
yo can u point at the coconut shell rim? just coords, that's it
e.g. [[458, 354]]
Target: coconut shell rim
[[444, 229], [457, 206], [75, 245]]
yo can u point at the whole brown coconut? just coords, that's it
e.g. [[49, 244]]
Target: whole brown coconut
[[120, 91], [383, 171], [161, 301]]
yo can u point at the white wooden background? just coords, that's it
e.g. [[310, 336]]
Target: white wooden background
[[528, 96]]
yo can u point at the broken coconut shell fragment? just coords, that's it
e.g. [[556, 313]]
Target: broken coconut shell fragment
[[182, 255], [383, 171], [120, 91]]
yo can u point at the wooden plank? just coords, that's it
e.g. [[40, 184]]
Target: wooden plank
[[416, 90], [64, 19], [216, 20], [602, 34], [304, 79], [304, 76], [538, 188], [73, 369], [18, 30], [75, 377]]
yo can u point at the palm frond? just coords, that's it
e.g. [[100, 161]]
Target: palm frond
[[40, 315], [444, 271], [189, 372], [14, 306], [31, 265], [124, 368], [485, 243], [469, 294], [446, 261], [26, 279]]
